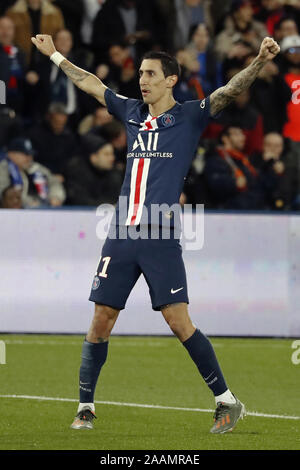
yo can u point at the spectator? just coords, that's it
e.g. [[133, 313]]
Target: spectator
[[96, 120], [91, 179], [188, 14], [209, 73], [167, 13], [290, 49], [114, 132], [195, 189], [274, 165], [188, 86], [91, 8], [21, 84], [123, 30], [241, 113], [54, 141], [273, 11], [5, 4], [62, 90], [11, 198], [232, 181], [179, 16], [73, 12], [38, 185], [240, 32], [219, 11], [55, 85], [11, 125], [12, 65], [32, 17], [124, 20], [270, 95], [286, 26], [123, 71], [103, 71]]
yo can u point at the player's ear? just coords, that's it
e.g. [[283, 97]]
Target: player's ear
[[172, 80]]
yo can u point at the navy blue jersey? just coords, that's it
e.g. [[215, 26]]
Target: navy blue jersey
[[160, 150]]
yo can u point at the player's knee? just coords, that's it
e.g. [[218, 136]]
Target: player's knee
[[182, 327], [104, 312], [175, 324]]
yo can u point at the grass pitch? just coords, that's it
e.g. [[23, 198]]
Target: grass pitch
[[42, 369]]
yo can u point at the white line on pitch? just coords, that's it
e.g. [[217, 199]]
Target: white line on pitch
[[79, 343], [118, 341], [141, 405]]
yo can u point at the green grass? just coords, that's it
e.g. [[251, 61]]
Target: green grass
[[147, 370]]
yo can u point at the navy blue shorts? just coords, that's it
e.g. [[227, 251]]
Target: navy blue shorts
[[123, 261]]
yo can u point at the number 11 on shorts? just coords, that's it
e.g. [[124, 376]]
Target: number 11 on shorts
[[106, 261]]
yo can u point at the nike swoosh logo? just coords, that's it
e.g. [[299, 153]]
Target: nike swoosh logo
[[133, 122], [206, 378], [177, 290]]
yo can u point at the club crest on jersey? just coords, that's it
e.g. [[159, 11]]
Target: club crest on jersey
[[96, 283], [168, 120]]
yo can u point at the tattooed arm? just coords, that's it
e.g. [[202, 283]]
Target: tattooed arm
[[84, 80], [81, 78], [220, 98]]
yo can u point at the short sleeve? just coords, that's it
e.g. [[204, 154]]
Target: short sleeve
[[116, 104], [199, 111]]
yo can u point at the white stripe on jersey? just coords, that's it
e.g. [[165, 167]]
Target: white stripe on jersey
[[152, 124], [143, 190], [121, 96], [132, 190], [132, 209]]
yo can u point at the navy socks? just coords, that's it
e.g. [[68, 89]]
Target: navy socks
[[198, 346], [203, 355], [92, 359]]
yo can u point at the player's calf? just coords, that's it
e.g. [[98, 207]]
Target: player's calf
[[93, 357], [229, 409]]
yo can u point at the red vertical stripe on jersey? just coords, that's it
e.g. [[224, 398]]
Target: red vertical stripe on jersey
[[148, 125], [137, 190]]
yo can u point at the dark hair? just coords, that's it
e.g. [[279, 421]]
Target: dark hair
[[111, 130], [122, 44], [282, 20], [226, 131], [169, 63], [194, 28], [91, 143], [60, 31]]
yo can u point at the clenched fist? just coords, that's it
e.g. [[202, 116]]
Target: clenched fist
[[268, 49], [44, 44]]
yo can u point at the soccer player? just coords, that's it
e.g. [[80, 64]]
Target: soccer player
[[162, 138]]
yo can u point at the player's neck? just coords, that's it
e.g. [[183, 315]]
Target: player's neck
[[163, 105]]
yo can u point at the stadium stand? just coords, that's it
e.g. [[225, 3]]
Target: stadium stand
[[211, 40]]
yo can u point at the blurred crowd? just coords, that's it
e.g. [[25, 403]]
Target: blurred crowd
[[59, 146]]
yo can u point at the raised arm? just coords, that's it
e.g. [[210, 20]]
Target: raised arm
[[220, 98], [84, 80]]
